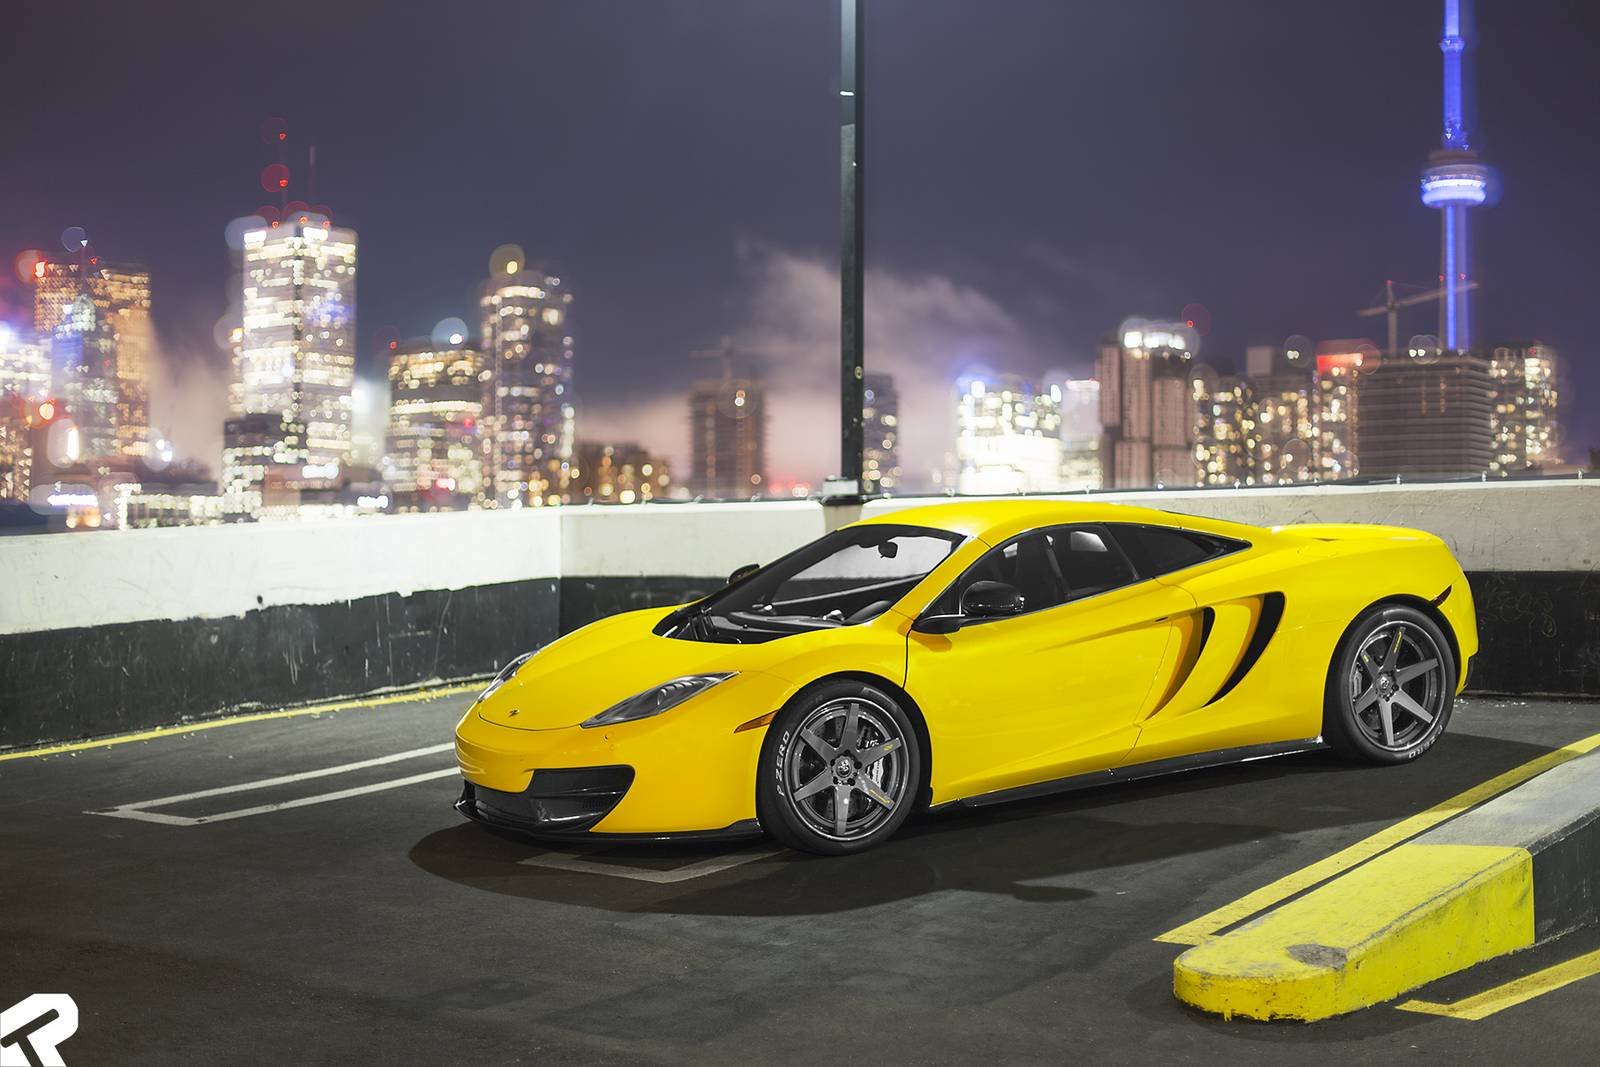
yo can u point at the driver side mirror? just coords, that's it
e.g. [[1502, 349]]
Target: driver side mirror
[[741, 573], [991, 600], [982, 600]]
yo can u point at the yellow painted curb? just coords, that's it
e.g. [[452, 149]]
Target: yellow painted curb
[[1410, 916]]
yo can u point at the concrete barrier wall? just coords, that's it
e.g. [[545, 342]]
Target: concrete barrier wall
[[108, 632]]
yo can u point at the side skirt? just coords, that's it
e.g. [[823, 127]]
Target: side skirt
[[1155, 769]]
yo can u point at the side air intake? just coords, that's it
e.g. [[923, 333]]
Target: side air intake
[[1266, 626]]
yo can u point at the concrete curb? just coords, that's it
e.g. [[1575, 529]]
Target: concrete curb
[[1512, 873]]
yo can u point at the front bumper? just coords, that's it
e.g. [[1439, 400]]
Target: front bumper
[[690, 771], [543, 812], [556, 801]]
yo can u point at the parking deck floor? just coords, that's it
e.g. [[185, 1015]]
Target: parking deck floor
[[353, 916]]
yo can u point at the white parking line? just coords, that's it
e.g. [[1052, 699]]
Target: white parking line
[[567, 861], [140, 809]]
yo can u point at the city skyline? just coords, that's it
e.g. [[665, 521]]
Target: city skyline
[[993, 319]]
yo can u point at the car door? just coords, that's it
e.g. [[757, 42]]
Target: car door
[[1220, 689], [1056, 690]]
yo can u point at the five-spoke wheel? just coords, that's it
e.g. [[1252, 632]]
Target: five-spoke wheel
[[1391, 687], [840, 769]]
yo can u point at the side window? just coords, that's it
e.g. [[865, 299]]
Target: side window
[[1025, 563], [1089, 561], [1161, 550]]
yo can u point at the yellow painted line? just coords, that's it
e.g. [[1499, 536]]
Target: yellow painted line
[[239, 720], [1198, 930], [1512, 993]]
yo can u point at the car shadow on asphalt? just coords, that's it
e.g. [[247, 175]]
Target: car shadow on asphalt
[[1187, 829]]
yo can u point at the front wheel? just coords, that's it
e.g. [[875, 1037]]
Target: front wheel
[[1391, 687], [840, 770]]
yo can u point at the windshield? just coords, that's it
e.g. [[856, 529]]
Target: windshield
[[848, 577]]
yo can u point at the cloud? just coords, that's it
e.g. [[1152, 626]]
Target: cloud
[[923, 329], [188, 402]]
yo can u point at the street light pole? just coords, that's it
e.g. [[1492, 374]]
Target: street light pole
[[852, 125]]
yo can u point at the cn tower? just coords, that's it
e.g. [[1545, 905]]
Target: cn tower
[[1456, 180]]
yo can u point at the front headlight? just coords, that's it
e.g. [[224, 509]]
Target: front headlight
[[506, 674], [663, 697]]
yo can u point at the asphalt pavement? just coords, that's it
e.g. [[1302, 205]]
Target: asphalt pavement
[[288, 916]]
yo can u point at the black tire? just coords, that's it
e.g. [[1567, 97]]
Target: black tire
[[801, 779], [1391, 686]]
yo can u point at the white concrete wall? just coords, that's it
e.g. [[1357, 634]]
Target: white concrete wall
[[698, 540], [1491, 526], [54, 581]]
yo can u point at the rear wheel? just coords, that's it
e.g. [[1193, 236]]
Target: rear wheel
[[1391, 688], [840, 770]]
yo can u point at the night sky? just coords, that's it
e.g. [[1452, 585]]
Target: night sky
[[1038, 170]]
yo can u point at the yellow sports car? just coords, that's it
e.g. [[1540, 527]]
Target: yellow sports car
[[970, 653]]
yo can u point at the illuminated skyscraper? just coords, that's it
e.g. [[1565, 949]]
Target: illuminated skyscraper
[[296, 354], [1283, 434], [527, 343], [728, 438], [619, 474], [436, 395], [1426, 418], [96, 319], [880, 422], [254, 446], [1523, 421], [18, 440], [24, 363], [1081, 434], [1224, 421], [1146, 405], [1336, 406], [1008, 436]]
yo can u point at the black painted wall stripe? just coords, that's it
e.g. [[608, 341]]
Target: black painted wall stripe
[[1540, 634]]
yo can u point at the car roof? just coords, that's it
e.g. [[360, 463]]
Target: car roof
[[994, 520]]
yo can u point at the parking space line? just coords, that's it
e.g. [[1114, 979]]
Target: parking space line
[[140, 810], [239, 720], [1512, 993], [1198, 930], [567, 861]]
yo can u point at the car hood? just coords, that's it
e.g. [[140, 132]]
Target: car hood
[[592, 668]]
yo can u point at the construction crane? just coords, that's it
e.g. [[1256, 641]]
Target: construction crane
[[1392, 304]]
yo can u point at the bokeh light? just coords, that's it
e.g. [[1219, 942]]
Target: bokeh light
[[74, 239], [274, 130], [1297, 347], [30, 266], [387, 339], [274, 177], [1371, 357], [1424, 348], [507, 259], [1197, 318], [63, 443], [236, 229], [451, 331]]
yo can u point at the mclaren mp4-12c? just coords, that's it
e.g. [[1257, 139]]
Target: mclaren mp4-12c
[[970, 653]]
